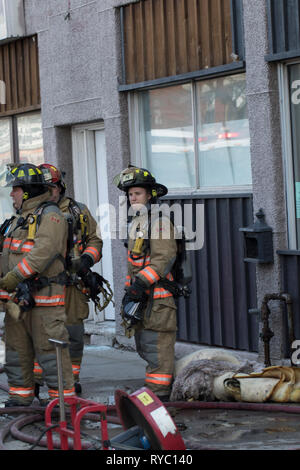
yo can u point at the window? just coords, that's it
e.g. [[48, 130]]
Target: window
[[223, 132], [21, 139], [30, 139], [290, 80], [5, 141], [195, 135]]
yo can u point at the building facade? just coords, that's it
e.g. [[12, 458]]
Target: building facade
[[204, 93]]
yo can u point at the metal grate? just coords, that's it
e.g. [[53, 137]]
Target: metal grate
[[164, 38], [290, 263], [223, 286], [19, 70]]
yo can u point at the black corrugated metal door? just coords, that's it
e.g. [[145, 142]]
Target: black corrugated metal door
[[223, 286]]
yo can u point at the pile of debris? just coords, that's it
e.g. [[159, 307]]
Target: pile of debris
[[214, 375]]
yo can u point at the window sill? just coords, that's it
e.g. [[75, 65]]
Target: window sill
[[240, 191]]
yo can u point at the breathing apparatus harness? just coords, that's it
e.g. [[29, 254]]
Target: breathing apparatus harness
[[181, 271], [94, 286], [24, 295]]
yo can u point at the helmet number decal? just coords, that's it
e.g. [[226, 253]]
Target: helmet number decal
[[128, 177]]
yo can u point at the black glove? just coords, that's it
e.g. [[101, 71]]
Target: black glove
[[93, 281], [85, 265], [24, 296], [137, 291]]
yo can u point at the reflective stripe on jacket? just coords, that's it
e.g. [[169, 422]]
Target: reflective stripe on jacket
[[93, 243], [76, 303], [42, 256], [158, 253]]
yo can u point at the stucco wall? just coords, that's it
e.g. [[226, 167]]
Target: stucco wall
[[266, 155], [80, 69]]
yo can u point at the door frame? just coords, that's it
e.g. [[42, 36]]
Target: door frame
[[94, 127]]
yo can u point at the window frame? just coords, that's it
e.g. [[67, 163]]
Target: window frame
[[135, 143], [287, 151]]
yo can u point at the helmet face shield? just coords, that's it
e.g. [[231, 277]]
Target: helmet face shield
[[6, 178]]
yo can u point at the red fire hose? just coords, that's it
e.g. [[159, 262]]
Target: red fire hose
[[32, 414]]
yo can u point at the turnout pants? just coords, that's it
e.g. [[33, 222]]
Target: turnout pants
[[77, 310], [26, 340], [155, 343], [76, 335], [157, 349]]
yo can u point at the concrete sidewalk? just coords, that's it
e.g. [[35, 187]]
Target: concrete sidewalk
[[106, 369]]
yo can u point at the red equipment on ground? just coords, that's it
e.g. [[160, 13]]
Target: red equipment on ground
[[146, 421], [144, 410], [76, 417]]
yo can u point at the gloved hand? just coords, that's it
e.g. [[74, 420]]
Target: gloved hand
[[137, 291], [24, 297], [9, 282], [84, 265], [92, 281]]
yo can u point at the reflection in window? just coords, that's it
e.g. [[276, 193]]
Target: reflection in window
[[6, 208], [223, 132], [294, 75], [196, 135], [30, 138], [25, 131], [5, 141], [166, 133]]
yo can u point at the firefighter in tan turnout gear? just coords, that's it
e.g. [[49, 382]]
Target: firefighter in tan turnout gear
[[148, 309], [86, 250], [33, 250]]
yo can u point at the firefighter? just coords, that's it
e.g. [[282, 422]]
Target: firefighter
[[33, 249], [151, 254], [86, 250]]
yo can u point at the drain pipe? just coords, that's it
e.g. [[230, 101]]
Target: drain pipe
[[267, 333]]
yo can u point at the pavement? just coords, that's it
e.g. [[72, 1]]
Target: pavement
[[104, 370], [107, 368]]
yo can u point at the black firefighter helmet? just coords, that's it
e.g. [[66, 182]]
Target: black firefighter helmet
[[139, 177], [28, 176]]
